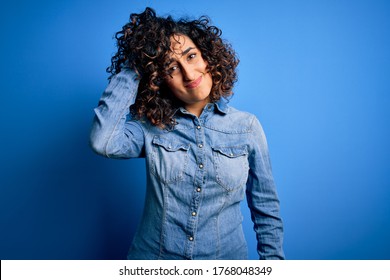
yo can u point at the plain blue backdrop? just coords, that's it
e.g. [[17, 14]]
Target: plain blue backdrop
[[316, 73]]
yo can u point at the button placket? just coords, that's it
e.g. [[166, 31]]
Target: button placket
[[199, 175]]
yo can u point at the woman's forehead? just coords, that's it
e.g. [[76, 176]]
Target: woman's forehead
[[180, 43]]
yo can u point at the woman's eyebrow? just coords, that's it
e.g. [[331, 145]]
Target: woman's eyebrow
[[172, 59], [187, 50]]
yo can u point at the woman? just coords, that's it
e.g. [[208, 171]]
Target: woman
[[167, 102]]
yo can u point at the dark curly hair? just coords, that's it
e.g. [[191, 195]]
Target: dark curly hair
[[144, 45]]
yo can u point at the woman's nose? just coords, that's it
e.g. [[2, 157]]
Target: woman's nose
[[188, 73]]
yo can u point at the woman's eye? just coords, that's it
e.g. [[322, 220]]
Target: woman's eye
[[191, 56], [173, 68]]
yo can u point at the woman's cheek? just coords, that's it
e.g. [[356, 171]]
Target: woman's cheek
[[169, 82]]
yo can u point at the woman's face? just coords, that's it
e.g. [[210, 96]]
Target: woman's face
[[188, 77]]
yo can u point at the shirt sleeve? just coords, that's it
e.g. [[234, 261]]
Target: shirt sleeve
[[114, 134], [262, 198]]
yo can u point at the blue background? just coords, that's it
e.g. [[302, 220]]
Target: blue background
[[316, 73]]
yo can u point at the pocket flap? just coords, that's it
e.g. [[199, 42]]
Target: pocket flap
[[232, 152], [169, 144]]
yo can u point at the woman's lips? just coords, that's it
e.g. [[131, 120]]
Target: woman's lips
[[195, 83]]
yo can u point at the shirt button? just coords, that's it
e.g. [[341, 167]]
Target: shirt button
[[200, 166], [193, 213], [200, 146], [231, 154], [190, 238], [198, 189], [198, 127]]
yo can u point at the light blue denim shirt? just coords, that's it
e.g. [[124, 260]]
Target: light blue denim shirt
[[197, 175]]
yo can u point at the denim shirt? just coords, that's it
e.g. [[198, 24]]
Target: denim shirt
[[198, 172]]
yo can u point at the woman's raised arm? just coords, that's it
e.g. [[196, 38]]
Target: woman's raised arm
[[113, 133]]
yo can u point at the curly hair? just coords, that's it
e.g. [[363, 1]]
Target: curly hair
[[144, 45]]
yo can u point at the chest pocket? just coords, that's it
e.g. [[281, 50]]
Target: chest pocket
[[231, 166], [169, 159]]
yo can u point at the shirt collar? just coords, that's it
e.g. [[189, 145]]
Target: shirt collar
[[221, 106]]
